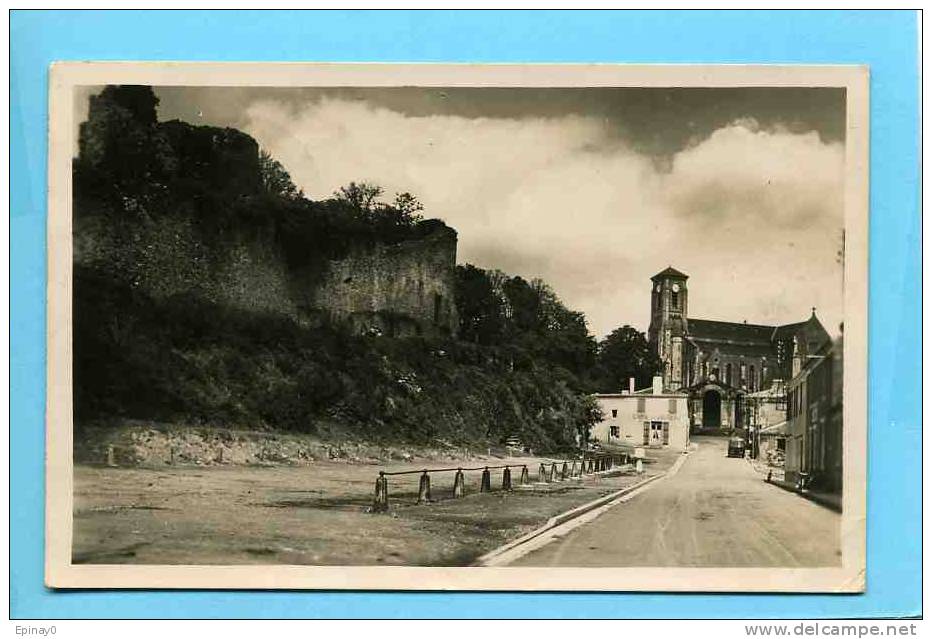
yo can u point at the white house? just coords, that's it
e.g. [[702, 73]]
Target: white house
[[648, 417]]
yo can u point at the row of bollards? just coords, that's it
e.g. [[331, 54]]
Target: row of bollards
[[546, 473], [380, 503]]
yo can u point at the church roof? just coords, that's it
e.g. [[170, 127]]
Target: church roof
[[701, 329], [757, 338], [670, 272], [811, 331]]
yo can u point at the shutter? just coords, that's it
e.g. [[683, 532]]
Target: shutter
[[646, 433], [642, 405], [666, 432], [672, 406]]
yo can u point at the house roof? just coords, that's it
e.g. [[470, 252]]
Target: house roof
[[701, 329], [670, 272]]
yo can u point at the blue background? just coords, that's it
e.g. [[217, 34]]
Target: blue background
[[887, 41]]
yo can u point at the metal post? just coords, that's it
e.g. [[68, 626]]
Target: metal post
[[525, 478], [542, 474], [485, 484], [111, 458], [506, 479], [563, 472], [423, 491], [380, 504], [459, 484], [553, 471], [573, 469]]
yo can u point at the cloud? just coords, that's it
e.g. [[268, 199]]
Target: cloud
[[753, 215]]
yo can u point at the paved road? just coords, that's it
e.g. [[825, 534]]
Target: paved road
[[716, 511]]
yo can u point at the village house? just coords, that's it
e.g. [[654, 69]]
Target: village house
[[649, 417], [814, 434], [767, 422]]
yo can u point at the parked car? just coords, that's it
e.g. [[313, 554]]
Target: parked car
[[736, 447]]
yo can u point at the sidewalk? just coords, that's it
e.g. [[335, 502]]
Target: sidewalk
[[829, 500]]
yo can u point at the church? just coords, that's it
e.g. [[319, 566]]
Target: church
[[716, 364]]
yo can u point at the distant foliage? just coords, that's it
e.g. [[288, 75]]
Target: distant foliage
[[496, 309], [623, 354]]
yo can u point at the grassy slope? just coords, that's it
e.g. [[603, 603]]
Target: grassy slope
[[192, 362]]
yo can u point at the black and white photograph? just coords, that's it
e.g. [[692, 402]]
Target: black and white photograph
[[312, 326]]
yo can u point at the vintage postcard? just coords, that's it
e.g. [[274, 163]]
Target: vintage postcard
[[457, 327]]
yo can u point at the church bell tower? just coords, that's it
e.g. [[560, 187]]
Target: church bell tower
[[668, 307]]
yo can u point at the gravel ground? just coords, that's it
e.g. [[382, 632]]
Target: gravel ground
[[317, 514]]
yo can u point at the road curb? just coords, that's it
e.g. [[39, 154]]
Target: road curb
[[558, 520]]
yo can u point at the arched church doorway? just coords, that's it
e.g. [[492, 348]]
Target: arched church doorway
[[712, 409]]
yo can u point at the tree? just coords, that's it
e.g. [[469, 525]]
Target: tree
[[625, 353], [362, 196], [408, 207], [480, 308], [275, 179]]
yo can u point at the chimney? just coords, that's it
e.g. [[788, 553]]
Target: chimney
[[658, 385], [631, 385]]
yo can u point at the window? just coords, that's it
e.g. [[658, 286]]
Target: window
[[614, 412], [672, 407], [675, 300], [728, 379], [642, 405], [753, 380], [616, 432]]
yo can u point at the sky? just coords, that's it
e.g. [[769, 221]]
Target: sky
[[593, 190]]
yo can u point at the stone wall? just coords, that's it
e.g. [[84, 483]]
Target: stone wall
[[402, 289], [169, 256]]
